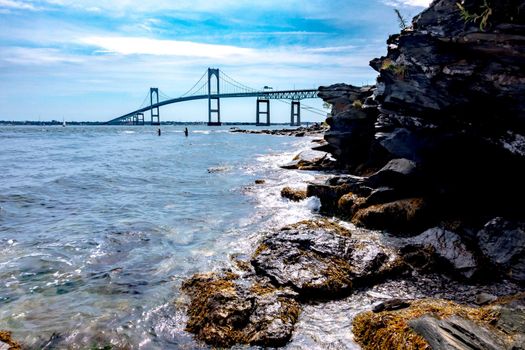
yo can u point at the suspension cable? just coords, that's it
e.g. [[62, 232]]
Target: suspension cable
[[188, 92]]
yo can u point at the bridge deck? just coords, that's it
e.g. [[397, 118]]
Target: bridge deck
[[271, 95]]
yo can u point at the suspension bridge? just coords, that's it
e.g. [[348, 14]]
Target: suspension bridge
[[215, 85]]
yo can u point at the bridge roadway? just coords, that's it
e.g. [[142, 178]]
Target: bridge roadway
[[270, 95]]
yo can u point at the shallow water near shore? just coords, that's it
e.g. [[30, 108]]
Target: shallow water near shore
[[99, 226]]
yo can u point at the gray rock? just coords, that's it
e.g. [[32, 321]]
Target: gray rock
[[319, 259], [503, 243], [351, 122], [402, 143], [484, 298], [397, 173], [511, 319], [308, 160], [455, 333], [448, 247], [390, 305]]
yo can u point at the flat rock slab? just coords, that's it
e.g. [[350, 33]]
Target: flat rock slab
[[455, 333], [319, 259]]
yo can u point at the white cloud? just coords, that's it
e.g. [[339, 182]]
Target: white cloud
[[415, 3], [38, 56], [17, 5], [146, 46]]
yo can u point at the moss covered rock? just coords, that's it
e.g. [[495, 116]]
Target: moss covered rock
[[224, 312], [405, 216], [440, 324], [7, 342], [295, 195]]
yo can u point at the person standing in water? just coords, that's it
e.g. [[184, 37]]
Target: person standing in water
[[158, 131], [186, 132]]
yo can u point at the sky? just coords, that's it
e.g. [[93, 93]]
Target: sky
[[96, 60]]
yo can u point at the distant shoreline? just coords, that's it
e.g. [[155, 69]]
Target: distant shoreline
[[57, 123]]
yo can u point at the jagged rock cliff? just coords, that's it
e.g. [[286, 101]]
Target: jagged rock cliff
[[450, 102]]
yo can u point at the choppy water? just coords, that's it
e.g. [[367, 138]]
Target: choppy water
[[100, 225]]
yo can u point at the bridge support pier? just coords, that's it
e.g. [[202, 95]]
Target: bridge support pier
[[261, 112], [155, 112], [214, 102], [140, 118], [295, 115]]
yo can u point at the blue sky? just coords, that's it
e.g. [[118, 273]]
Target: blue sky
[[95, 60]]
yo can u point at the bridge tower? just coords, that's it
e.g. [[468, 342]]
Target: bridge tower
[[295, 115], [214, 103], [262, 112], [155, 113]]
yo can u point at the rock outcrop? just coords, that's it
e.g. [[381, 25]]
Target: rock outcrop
[[441, 137], [449, 98], [439, 324]]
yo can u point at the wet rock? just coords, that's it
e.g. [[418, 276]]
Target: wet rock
[[260, 182], [349, 204], [330, 192], [310, 160], [390, 305], [484, 298], [319, 259], [393, 329], [293, 194], [404, 217], [397, 173], [384, 195], [223, 312], [455, 333], [314, 129], [7, 342], [503, 243], [448, 249]]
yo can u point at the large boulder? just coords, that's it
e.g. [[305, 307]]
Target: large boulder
[[224, 312], [397, 173], [319, 259], [445, 249], [404, 217], [503, 243]]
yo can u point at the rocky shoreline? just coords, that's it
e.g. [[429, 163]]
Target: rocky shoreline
[[433, 158]]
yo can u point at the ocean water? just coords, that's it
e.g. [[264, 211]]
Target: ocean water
[[100, 225]]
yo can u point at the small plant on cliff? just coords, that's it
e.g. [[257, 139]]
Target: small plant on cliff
[[398, 70], [401, 20], [357, 104], [482, 18]]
